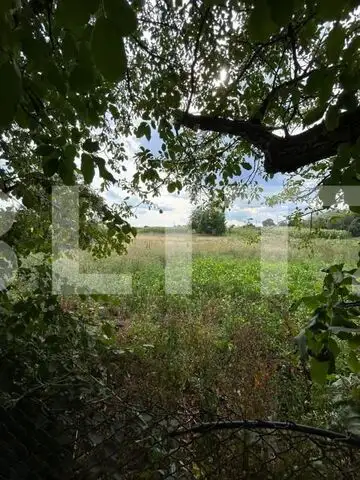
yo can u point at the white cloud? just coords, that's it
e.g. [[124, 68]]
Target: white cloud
[[176, 208]]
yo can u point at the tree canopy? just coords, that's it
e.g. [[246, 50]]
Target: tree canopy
[[208, 219], [217, 81], [269, 222], [275, 80]]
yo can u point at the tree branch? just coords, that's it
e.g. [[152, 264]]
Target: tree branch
[[195, 59], [275, 91], [347, 438], [283, 154], [256, 134]]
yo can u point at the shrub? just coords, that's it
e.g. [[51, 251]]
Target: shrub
[[209, 219], [354, 227], [269, 222]]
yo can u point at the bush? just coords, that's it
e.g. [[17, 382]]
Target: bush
[[209, 220], [354, 227], [269, 222], [331, 220]]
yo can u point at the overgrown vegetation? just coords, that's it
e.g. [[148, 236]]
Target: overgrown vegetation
[[79, 80], [212, 339]]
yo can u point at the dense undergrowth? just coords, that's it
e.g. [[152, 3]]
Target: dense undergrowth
[[224, 350], [227, 337]]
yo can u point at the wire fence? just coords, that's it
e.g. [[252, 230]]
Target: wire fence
[[118, 440]]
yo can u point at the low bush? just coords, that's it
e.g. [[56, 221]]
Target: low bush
[[354, 227]]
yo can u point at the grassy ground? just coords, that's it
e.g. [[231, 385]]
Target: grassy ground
[[228, 344]]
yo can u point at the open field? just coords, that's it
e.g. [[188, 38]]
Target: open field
[[226, 336]]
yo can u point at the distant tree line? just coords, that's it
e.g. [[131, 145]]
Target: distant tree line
[[210, 220], [331, 220]]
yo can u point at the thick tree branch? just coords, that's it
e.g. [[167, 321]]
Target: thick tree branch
[[283, 154], [255, 134]]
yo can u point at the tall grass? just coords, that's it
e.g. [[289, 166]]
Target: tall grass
[[227, 342]]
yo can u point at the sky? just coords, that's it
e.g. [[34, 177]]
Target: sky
[[176, 207]]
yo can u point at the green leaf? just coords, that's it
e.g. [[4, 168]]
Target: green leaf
[[69, 47], [330, 9], [138, 4], [104, 173], [320, 83], [60, 141], [260, 24], [313, 115], [121, 13], [10, 92], [336, 330], [148, 132], [318, 370], [45, 150], [114, 112], [246, 165], [334, 347], [54, 76], [281, 11], [66, 172], [353, 362], [28, 199], [35, 48], [87, 167], [72, 14], [82, 78], [140, 131], [348, 101], [126, 228], [108, 50], [75, 135], [314, 81], [70, 151], [354, 341], [171, 187], [50, 165], [91, 146], [349, 77], [335, 43], [332, 118], [107, 329]]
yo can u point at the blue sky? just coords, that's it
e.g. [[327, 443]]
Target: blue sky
[[177, 208]]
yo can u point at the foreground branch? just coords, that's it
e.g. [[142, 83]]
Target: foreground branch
[[283, 154], [347, 438]]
